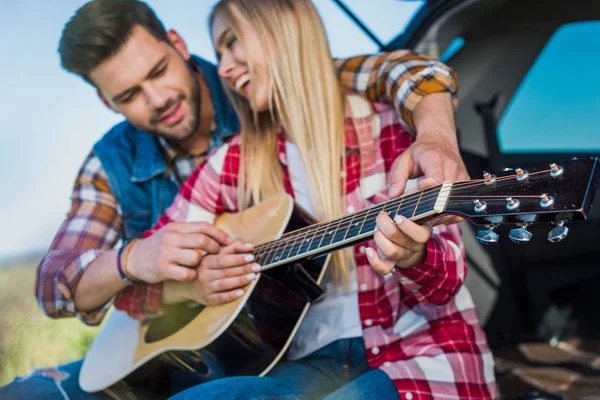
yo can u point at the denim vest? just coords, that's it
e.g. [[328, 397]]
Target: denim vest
[[138, 175]]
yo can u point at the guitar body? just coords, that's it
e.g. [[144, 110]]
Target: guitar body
[[247, 336]]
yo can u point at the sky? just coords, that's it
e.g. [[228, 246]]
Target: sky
[[49, 119]]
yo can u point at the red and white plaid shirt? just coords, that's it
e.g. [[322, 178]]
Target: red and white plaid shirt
[[419, 325]]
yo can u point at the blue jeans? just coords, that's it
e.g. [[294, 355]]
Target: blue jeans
[[60, 383], [338, 371]]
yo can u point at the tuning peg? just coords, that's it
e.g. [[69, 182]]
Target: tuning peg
[[520, 235], [556, 170], [479, 206], [512, 204], [558, 233], [488, 178], [487, 236], [521, 174]]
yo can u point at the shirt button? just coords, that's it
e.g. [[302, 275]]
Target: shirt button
[[369, 322], [363, 287], [362, 249], [408, 396], [350, 209], [387, 364], [375, 350], [343, 174]]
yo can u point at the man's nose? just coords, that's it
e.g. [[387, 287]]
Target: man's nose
[[156, 97]]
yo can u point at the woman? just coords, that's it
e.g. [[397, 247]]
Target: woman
[[412, 334]]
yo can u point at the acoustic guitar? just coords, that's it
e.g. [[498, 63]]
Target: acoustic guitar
[[248, 336]]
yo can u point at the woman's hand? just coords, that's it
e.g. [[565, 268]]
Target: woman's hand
[[400, 243], [219, 277]]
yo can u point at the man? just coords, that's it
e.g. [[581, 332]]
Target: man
[[175, 112]]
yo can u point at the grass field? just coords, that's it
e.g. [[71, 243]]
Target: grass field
[[29, 339]]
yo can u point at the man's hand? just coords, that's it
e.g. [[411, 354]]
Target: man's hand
[[400, 243], [220, 278], [174, 251], [434, 154], [436, 160]]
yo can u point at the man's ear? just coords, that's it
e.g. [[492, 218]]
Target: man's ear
[[104, 100], [178, 44]]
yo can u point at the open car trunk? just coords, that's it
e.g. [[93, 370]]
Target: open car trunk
[[538, 292]]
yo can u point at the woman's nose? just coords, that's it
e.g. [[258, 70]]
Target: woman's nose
[[226, 66]]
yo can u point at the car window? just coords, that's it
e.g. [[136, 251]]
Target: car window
[[557, 106], [453, 48]]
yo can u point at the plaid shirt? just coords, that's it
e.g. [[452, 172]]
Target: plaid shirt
[[94, 222], [419, 325]]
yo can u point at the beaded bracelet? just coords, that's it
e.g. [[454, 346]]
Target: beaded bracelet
[[122, 267]]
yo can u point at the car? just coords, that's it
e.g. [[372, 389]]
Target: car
[[528, 84]]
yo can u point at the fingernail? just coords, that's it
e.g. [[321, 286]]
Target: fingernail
[[256, 268], [229, 240], [251, 276], [249, 258], [369, 252], [248, 245], [375, 229], [239, 292], [394, 189], [398, 219]]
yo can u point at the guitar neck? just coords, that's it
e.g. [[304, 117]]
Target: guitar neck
[[332, 235]]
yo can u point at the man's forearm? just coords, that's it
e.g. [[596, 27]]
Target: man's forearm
[[99, 283], [434, 117]]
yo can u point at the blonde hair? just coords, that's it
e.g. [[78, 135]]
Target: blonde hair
[[305, 97]]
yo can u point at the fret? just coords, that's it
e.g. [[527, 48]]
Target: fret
[[399, 207], [425, 206], [417, 205], [260, 255], [308, 239], [328, 235], [277, 255], [342, 232], [368, 222], [319, 236], [390, 208], [271, 251], [288, 248]]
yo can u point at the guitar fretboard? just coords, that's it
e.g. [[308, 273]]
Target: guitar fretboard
[[327, 236]]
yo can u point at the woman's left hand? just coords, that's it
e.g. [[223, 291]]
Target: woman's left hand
[[400, 243]]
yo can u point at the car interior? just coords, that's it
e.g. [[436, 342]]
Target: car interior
[[539, 292]]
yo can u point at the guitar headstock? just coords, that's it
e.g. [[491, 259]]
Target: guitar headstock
[[554, 192]]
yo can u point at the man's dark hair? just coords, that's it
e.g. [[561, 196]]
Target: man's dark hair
[[99, 29]]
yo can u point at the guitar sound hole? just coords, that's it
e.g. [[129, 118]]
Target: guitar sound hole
[[173, 320]]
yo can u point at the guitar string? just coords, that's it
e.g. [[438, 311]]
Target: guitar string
[[320, 228]]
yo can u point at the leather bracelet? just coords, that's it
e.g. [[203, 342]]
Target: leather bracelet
[[125, 257], [121, 266]]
